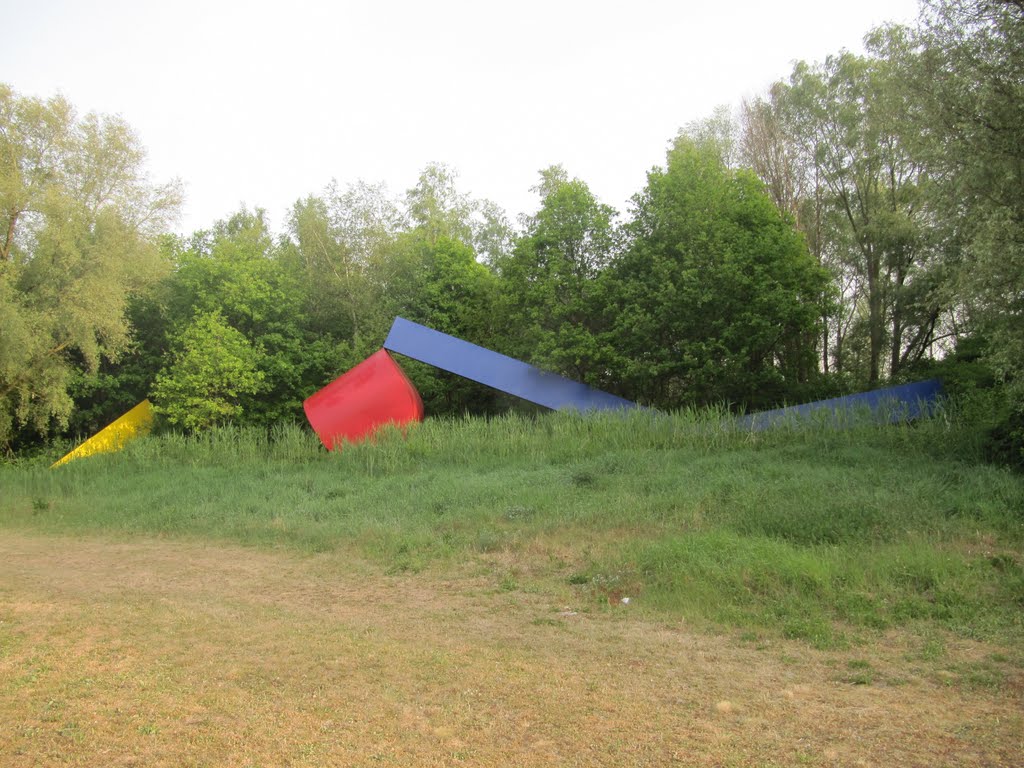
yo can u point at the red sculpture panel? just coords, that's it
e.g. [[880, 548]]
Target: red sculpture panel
[[356, 404]]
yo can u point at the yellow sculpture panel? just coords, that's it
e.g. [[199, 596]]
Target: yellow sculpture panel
[[137, 422]]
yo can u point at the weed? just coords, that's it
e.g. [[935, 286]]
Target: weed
[[583, 479], [517, 512], [860, 672], [983, 675], [508, 583]]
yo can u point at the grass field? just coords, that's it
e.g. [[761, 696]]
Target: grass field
[[552, 590]]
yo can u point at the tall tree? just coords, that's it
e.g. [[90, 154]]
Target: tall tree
[[438, 209], [236, 271], [768, 145], [102, 395], [343, 242], [441, 279], [366, 258], [79, 220], [715, 298], [550, 280], [720, 132], [449, 290], [967, 73], [849, 117]]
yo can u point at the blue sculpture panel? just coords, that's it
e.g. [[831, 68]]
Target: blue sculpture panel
[[892, 404], [495, 370]]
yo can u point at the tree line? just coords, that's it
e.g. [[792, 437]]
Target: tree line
[[860, 222]]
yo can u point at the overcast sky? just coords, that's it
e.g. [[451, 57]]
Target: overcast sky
[[265, 102]]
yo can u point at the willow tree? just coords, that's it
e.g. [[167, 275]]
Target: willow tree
[[968, 76], [864, 197], [79, 220]]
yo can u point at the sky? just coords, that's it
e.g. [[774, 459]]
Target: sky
[[263, 103]]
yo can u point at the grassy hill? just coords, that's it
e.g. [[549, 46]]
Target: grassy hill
[[818, 533]]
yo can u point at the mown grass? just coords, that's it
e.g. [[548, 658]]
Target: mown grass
[[816, 532]]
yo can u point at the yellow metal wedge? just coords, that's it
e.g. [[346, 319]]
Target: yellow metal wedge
[[135, 423]]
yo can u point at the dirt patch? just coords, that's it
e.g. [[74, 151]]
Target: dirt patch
[[167, 653]]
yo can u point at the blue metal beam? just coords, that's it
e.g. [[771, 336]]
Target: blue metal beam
[[495, 370], [893, 404]]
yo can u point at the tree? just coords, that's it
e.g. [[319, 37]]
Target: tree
[[366, 258], [718, 132], [342, 242], [237, 271], [438, 209], [79, 221], [449, 290], [212, 369], [770, 147], [550, 280], [850, 118], [102, 395], [456, 292], [967, 73], [715, 298]]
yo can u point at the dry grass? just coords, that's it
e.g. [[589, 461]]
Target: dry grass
[[169, 653]]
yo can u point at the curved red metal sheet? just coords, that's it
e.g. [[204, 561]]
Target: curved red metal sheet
[[362, 400]]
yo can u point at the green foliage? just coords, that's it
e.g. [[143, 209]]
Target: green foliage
[[341, 251], [968, 76], [231, 269], [213, 367], [437, 209], [813, 533], [363, 260], [78, 226], [873, 213], [716, 298], [118, 385], [903, 169], [974, 386], [551, 293], [237, 272], [455, 294]]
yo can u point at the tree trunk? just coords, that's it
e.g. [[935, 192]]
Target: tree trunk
[[875, 316], [896, 347]]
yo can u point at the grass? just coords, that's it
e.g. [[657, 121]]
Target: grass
[[173, 653], [818, 534]]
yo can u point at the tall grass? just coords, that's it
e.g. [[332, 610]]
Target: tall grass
[[803, 529]]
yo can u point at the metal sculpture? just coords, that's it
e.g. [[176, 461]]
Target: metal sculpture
[[113, 437], [377, 392], [892, 405], [506, 374], [356, 404]]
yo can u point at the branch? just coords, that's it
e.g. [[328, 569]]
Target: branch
[[5, 252]]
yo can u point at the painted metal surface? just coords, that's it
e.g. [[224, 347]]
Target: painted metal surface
[[113, 437], [495, 370], [891, 405], [359, 402]]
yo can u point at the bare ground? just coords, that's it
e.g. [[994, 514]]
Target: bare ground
[[168, 653]]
